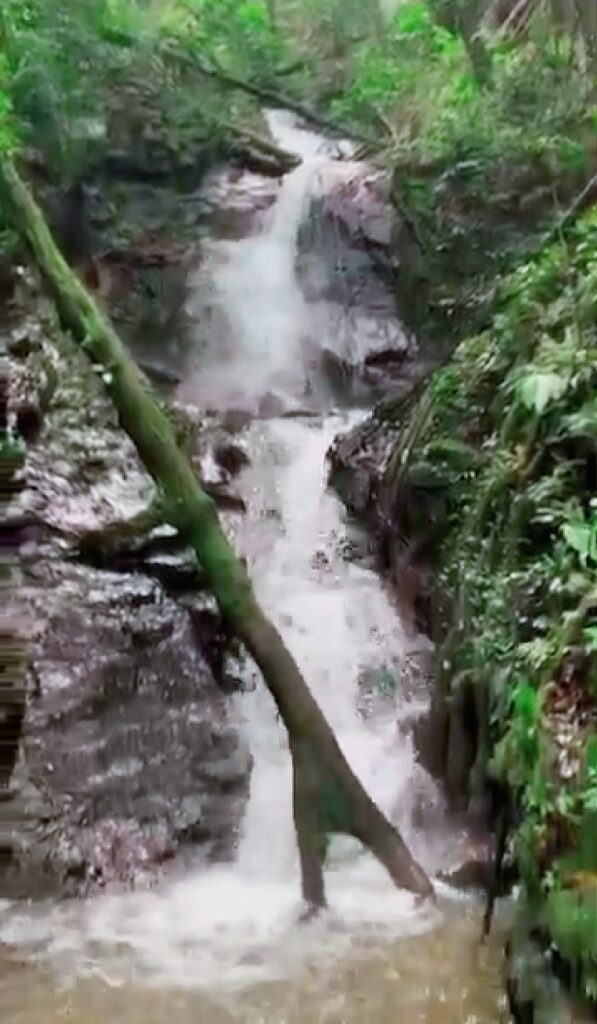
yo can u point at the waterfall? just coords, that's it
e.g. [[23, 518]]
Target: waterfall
[[233, 924]]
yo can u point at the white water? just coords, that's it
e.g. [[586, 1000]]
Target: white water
[[229, 926]]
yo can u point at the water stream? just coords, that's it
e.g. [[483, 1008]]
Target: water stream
[[222, 944]]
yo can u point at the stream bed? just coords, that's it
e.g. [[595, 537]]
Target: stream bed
[[222, 943]]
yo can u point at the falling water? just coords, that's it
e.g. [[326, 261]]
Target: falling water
[[250, 282], [216, 930]]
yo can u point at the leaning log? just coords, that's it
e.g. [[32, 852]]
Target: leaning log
[[267, 96], [328, 797], [259, 154]]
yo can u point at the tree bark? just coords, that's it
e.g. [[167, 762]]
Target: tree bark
[[260, 154], [587, 20], [465, 17], [328, 797], [272, 14]]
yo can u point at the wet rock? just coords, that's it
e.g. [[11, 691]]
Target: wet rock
[[320, 561], [365, 470], [353, 261], [29, 419], [472, 874], [239, 211], [230, 684], [379, 367], [302, 413], [7, 277], [264, 164], [160, 373], [231, 457], [131, 228], [123, 545], [535, 993], [338, 372], [24, 339], [356, 203], [129, 751], [126, 717], [226, 500], [209, 630], [121, 852], [31, 386], [236, 420], [271, 406], [359, 548], [357, 462], [176, 570]]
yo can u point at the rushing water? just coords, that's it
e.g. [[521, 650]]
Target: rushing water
[[223, 944]]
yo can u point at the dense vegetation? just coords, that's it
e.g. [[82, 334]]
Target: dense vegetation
[[486, 115], [508, 430], [477, 154], [410, 81]]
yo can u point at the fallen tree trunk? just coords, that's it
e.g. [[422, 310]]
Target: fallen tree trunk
[[287, 160], [269, 96], [328, 797], [261, 155]]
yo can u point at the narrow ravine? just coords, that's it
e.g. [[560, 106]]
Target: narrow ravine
[[222, 944]]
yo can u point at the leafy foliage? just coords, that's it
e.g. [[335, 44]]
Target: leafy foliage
[[423, 87], [81, 74], [521, 553]]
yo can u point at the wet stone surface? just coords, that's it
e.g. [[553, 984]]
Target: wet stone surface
[[129, 750]]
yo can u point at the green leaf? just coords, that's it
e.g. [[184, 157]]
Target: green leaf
[[413, 19], [590, 637], [540, 387], [591, 755], [581, 536], [253, 14], [573, 155], [577, 535], [525, 700]]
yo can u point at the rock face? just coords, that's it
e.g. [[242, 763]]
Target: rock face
[[129, 750], [131, 229], [402, 510], [347, 262], [536, 994]]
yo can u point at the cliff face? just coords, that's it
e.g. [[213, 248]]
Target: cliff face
[[128, 750]]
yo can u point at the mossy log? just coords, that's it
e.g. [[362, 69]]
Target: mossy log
[[261, 153], [328, 797]]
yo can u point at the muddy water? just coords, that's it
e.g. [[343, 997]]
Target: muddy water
[[222, 944], [443, 977]]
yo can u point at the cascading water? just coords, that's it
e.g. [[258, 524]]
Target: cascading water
[[215, 930], [252, 283]]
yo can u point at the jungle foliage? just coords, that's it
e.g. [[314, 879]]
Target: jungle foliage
[[509, 428], [73, 69], [476, 156]]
